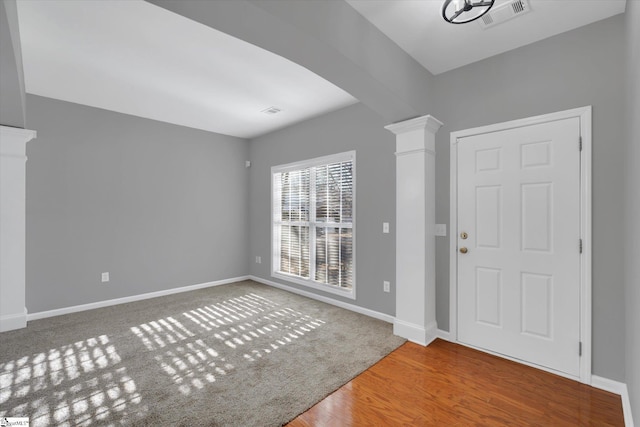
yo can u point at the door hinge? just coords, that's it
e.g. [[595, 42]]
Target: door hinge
[[580, 348], [580, 245], [580, 143]]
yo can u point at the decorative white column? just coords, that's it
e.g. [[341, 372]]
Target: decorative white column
[[415, 229], [13, 144]]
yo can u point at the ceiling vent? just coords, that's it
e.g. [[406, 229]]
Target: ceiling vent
[[271, 110], [504, 12]]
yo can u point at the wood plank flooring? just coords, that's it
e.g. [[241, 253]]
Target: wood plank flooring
[[447, 384]]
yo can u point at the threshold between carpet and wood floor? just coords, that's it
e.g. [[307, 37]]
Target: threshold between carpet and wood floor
[[243, 354]]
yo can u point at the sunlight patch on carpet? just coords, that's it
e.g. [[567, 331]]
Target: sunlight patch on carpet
[[188, 361], [238, 354], [79, 384], [250, 325]]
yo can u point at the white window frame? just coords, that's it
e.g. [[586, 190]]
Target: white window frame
[[312, 223]]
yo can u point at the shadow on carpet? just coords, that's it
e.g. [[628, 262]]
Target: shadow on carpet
[[243, 354]]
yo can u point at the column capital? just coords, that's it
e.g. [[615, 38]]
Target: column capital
[[428, 123], [13, 140], [416, 136]]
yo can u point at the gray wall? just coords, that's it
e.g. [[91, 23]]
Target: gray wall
[[352, 128], [574, 69], [12, 101], [337, 24], [159, 206], [632, 206]]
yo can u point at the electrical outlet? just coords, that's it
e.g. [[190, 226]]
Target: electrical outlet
[[258, 260], [385, 227], [386, 286], [105, 277]]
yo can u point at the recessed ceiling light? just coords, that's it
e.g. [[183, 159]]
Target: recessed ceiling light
[[271, 110]]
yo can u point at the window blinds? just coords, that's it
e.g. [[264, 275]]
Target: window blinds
[[313, 223]]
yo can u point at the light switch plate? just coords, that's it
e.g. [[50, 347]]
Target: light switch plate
[[385, 227], [441, 229]]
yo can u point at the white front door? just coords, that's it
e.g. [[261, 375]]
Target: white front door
[[519, 220]]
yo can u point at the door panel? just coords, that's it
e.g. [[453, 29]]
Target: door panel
[[488, 296], [537, 303], [488, 213], [537, 211], [519, 283]]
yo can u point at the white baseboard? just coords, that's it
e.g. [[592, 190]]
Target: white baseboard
[[367, 312], [626, 408], [445, 335], [431, 332], [412, 332], [423, 335], [13, 321], [606, 384], [618, 388], [107, 303]]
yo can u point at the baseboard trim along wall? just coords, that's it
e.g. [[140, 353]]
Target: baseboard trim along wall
[[445, 335], [107, 303], [618, 388], [367, 312], [423, 335], [11, 322]]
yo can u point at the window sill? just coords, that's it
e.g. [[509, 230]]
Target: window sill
[[347, 293]]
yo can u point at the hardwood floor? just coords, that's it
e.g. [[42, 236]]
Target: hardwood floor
[[447, 384]]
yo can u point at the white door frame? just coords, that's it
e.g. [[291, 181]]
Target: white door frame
[[584, 114]]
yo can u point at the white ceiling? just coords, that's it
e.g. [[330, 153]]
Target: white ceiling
[[417, 27], [135, 58]]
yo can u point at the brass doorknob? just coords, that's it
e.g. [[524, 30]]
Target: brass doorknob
[[464, 250]]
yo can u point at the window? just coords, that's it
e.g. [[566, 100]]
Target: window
[[313, 222]]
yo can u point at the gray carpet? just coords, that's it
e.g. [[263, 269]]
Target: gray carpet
[[243, 354]]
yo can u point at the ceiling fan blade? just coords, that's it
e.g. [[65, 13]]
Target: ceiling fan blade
[[455, 15], [482, 3]]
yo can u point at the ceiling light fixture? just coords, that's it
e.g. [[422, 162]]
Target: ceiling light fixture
[[271, 110], [463, 11]]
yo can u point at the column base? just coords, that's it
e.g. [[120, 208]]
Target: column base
[[419, 334], [10, 322]]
